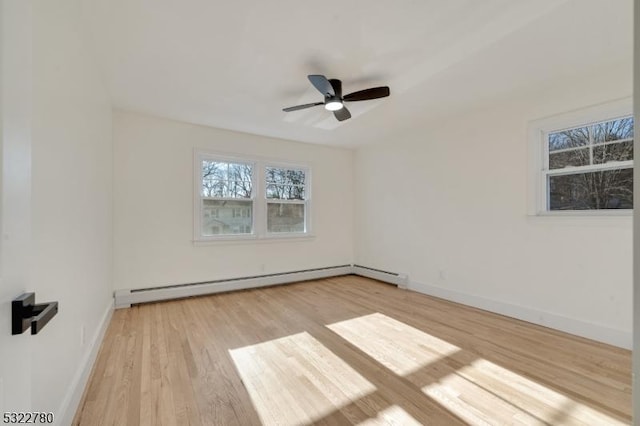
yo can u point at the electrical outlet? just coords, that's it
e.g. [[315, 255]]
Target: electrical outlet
[[82, 334]]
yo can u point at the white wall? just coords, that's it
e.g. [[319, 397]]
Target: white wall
[[153, 206], [447, 204], [71, 203]]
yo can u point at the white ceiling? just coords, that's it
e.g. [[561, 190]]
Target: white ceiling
[[235, 65]]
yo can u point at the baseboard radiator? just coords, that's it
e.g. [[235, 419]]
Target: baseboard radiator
[[401, 280], [125, 298]]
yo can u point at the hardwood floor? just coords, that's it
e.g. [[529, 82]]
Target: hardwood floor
[[346, 350]]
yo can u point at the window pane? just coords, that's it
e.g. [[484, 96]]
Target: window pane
[[285, 176], [285, 217], [608, 189], [231, 189], [226, 217], [613, 130], [572, 138], [285, 192], [621, 151], [572, 158], [231, 180]]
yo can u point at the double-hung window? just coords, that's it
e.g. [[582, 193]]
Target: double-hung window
[[226, 197], [286, 194], [587, 167], [240, 198]]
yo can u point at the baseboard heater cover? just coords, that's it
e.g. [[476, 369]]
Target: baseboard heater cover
[[125, 298], [401, 280]]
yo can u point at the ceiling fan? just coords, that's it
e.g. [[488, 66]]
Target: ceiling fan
[[333, 99]]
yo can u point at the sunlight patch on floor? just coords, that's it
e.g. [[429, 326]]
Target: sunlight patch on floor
[[479, 391], [296, 380], [399, 347], [392, 416]]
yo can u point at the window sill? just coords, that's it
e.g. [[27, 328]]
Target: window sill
[[253, 239], [617, 219], [585, 213]]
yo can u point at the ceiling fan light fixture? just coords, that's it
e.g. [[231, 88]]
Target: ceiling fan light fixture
[[333, 105]]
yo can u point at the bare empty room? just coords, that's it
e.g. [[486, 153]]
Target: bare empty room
[[285, 213]]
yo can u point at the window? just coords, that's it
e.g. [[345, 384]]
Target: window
[[286, 199], [586, 166], [226, 197], [248, 198]]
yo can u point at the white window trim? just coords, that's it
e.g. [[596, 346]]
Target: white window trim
[[538, 154], [259, 199]]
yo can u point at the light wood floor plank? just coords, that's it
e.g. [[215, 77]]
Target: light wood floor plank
[[346, 350]]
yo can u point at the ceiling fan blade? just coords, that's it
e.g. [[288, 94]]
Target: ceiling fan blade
[[323, 85], [337, 87], [342, 114], [366, 94], [297, 107]]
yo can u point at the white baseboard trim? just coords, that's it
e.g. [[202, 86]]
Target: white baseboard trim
[[599, 332], [125, 298], [72, 399]]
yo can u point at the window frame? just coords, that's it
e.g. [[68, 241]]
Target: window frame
[[538, 132], [258, 198]]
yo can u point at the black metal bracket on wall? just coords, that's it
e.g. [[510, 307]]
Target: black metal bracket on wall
[[25, 313]]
